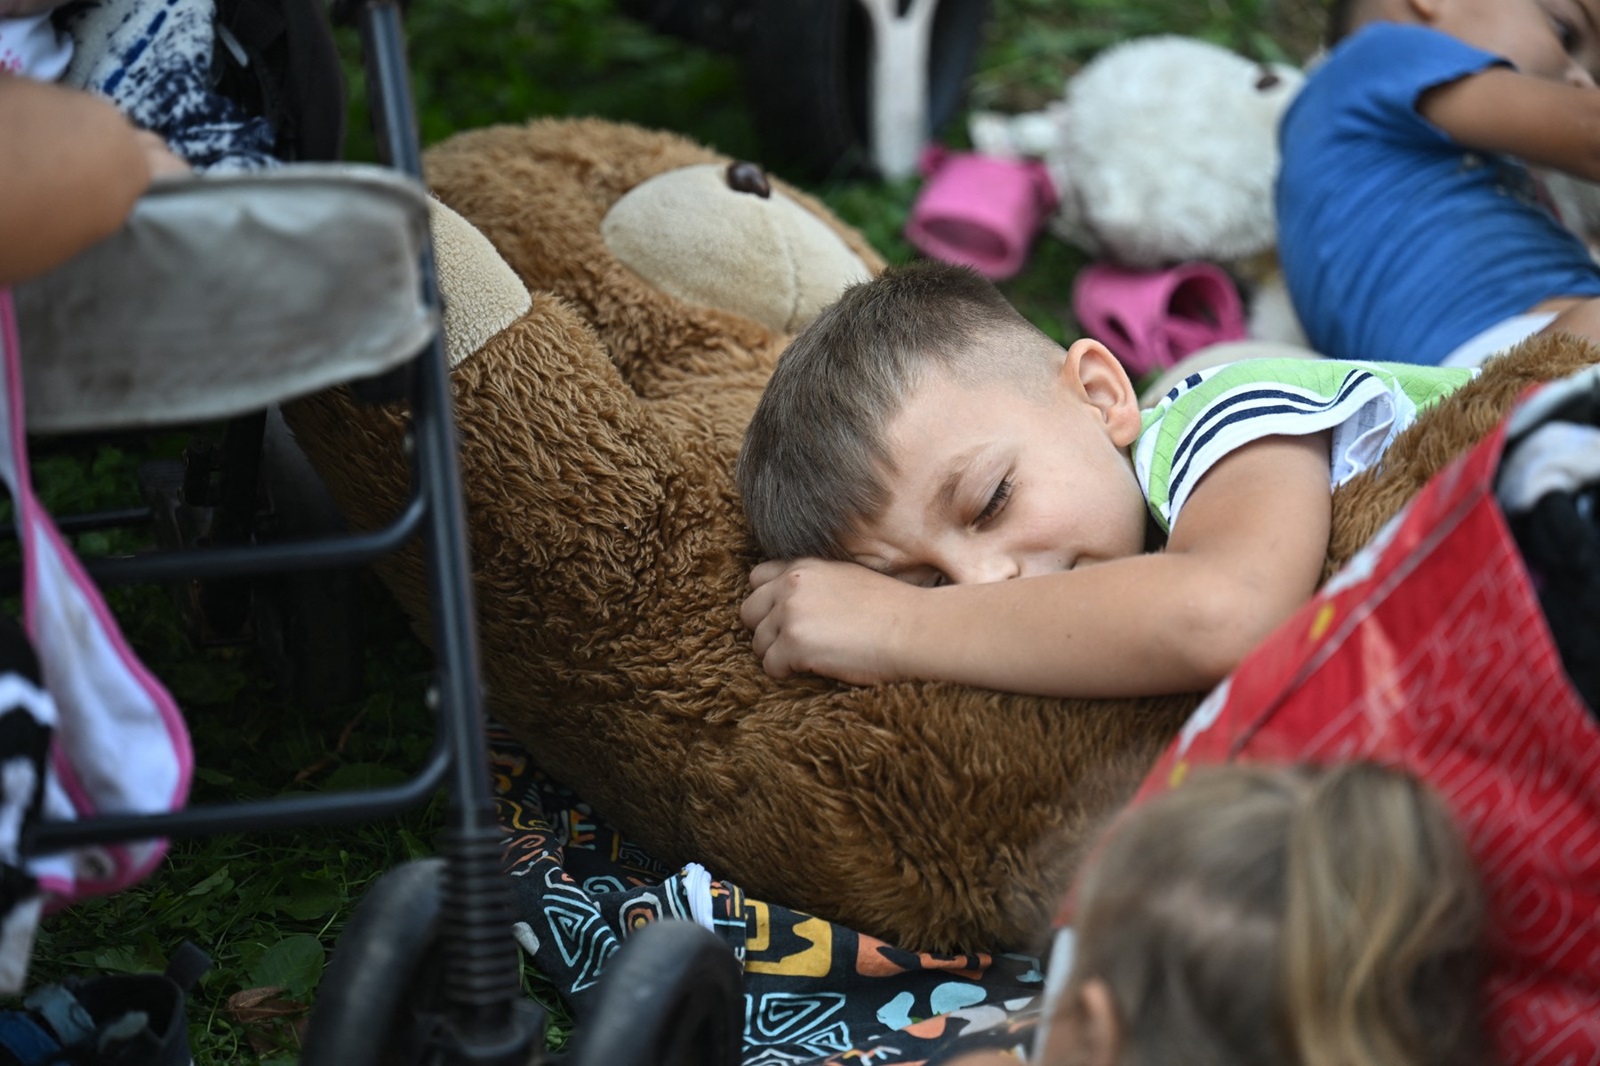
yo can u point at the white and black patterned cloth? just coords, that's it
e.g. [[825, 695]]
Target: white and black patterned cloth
[[155, 60]]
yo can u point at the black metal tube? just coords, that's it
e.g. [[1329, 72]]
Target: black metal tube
[[481, 984], [282, 812], [225, 603], [91, 522], [317, 553]]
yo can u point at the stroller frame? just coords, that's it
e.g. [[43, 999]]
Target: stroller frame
[[485, 1018]]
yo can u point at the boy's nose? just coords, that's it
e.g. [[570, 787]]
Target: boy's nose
[[1579, 75], [982, 570]]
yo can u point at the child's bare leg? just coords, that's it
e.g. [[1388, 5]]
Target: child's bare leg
[[1581, 319]]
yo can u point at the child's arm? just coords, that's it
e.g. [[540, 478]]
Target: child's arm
[[1542, 122], [1246, 551], [71, 167]]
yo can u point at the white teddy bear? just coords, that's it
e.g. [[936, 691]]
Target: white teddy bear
[[1163, 150]]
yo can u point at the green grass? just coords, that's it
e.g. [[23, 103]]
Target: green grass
[[266, 907], [269, 907]]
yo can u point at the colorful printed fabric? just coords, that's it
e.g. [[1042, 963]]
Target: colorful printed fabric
[[816, 993]]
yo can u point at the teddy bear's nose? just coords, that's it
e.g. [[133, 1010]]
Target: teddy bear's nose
[[748, 177], [1266, 79]]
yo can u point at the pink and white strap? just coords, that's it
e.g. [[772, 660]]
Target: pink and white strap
[[120, 744]]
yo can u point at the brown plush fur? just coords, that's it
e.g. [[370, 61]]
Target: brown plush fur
[[1365, 503], [597, 435]]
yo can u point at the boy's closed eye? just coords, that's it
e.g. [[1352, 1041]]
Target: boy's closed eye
[[1573, 22], [1568, 33], [996, 503]]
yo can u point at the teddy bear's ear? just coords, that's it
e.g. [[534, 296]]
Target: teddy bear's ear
[[480, 292]]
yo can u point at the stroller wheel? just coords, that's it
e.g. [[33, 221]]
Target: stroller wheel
[[673, 996], [377, 976]]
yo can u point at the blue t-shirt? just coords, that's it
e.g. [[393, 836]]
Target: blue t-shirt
[[1398, 244]]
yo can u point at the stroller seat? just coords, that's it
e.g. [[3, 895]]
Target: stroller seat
[[225, 293]]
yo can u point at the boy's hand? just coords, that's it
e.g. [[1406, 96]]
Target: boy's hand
[[71, 168], [162, 161], [840, 620]]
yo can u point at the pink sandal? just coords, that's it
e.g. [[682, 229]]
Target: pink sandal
[[1150, 319], [980, 211]]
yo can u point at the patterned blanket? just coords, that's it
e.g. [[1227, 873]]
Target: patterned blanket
[[815, 992]]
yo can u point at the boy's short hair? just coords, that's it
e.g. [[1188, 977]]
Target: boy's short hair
[[815, 455]]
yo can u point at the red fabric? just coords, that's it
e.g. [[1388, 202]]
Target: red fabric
[[1429, 651]]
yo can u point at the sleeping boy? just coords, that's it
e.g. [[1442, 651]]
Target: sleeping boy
[[947, 494]]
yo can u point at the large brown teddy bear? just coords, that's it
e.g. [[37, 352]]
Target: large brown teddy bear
[[599, 420]]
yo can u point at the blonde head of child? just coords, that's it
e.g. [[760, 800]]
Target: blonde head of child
[[1276, 916]]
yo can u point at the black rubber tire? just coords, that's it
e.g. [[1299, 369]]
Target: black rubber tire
[[377, 975], [673, 996], [806, 79], [716, 24]]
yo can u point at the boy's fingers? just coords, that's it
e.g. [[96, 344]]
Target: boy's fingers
[[767, 571], [755, 607], [162, 161], [764, 645]]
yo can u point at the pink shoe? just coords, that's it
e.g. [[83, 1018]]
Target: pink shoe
[[979, 211], [1150, 319]]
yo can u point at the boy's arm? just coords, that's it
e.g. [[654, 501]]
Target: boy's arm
[[71, 167], [1546, 123], [1246, 552]]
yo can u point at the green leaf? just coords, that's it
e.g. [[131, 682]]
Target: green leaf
[[416, 847], [217, 882], [293, 964], [306, 898], [123, 959]]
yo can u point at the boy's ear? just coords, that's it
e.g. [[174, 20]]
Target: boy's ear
[[1085, 1030], [1102, 1033], [1098, 379], [1425, 11]]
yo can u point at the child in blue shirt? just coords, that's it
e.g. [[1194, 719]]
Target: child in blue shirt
[[1410, 227]]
